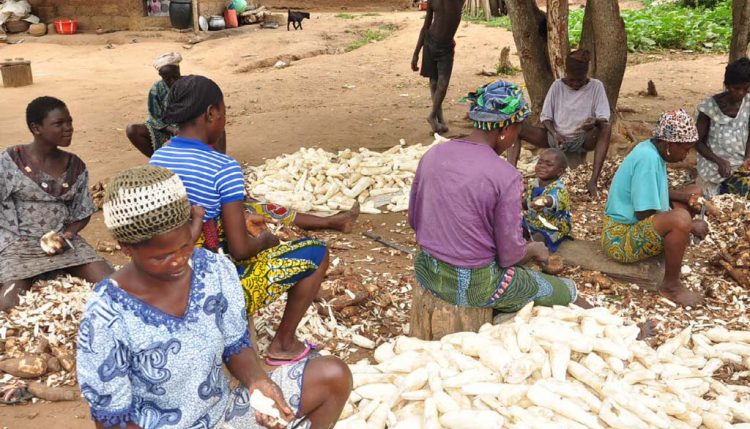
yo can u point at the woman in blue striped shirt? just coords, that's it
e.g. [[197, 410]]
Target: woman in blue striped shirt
[[214, 181]]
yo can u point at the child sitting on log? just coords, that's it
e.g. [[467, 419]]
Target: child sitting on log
[[547, 202]]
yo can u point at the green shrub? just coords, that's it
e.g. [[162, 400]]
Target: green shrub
[[670, 26], [666, 26], [495, 22], [370, 36]]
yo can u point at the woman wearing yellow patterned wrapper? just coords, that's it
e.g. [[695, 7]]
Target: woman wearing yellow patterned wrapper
[[214, 181], [644, 218]]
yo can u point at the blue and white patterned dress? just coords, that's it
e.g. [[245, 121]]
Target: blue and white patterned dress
[[138, 364]]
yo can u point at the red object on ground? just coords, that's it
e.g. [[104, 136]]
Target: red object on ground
[[66, 26], [422, 5], [230, 18]]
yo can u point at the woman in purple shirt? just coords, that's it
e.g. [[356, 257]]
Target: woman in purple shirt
[[465, 207]]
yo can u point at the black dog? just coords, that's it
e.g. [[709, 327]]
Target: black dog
[[295, 18]]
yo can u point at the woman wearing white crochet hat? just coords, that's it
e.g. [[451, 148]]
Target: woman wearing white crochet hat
[[152, 134], [154, 335]]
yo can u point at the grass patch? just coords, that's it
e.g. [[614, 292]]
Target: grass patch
[[494, 22], [671, 26], [656, 27], [506, 70], [345, 16], [371, 36], [371, 14]]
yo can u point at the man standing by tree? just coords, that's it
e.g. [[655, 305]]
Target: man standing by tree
[[575, 117], [440, 25]]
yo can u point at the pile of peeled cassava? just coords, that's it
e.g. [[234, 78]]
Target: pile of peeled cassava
[[562, 367], [313, 180]]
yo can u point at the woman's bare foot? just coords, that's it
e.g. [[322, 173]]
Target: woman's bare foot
[[278, 351], [679, 294], [344, 222], [437, 126]]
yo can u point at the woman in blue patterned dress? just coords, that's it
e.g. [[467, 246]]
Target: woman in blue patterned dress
[[155, 334]]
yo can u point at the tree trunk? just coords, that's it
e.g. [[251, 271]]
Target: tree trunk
[[557, 35], [740, 29], [486, 8], [495, 7], [604, 36], [529, 33]]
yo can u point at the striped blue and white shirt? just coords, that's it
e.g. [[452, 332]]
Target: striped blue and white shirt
[[211, 178]]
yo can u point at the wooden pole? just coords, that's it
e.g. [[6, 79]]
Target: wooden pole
[[196, 27]]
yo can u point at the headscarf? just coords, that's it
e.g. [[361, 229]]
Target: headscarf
[[143, 202], [578, 61], [676, 126], [497, 105], [167, 59], [190, 97]]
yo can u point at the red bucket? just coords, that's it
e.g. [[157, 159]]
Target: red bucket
[[66, 26], [230, 18]]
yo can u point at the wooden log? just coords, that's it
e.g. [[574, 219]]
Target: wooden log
[[432, 318], [16, 73], [589, 256]]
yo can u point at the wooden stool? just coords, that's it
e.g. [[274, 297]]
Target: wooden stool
[[432, 318], [589, 255], [16, 72]]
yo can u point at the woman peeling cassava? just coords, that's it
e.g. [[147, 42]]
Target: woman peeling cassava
[[155, 334], [44, 189], [465, 208], [214, 181], [644, 218]]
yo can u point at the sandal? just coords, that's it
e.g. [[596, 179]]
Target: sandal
[[309, 347]]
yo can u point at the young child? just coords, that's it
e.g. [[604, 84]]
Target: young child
[[547, 202]]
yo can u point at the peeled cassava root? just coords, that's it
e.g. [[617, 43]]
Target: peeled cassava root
[[313, 180], [561, 367], [265, 405]]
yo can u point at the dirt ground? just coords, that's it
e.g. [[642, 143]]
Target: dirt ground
[[325, 98]]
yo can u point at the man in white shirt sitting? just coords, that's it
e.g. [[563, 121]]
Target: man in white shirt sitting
[[575, 117]]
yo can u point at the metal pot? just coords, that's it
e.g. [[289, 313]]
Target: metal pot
[[17, 26], [216, 23], [181, 14]]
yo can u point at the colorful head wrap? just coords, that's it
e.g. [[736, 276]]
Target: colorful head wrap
[[497, 105], [676, 126], [143, 202], [167, 59], [189, 97]]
